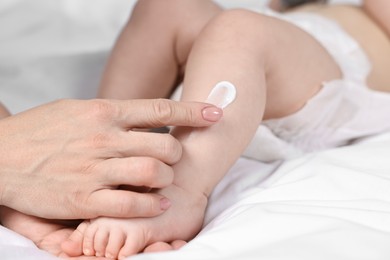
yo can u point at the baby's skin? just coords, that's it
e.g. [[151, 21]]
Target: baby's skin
[[118, 238]]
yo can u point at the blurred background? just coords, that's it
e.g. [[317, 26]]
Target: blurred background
[[57, 49]]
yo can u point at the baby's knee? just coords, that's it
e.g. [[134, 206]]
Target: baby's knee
[[239, 24], [167, 10], [237, 28], [156, 5]]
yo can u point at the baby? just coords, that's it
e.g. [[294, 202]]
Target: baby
[[289, 73]]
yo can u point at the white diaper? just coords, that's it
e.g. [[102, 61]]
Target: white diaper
[[343, 111]]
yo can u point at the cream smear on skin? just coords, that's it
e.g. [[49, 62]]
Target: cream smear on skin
[[222, 94]]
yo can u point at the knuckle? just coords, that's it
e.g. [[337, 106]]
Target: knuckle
[[78, 204], [190, 116], [144, 170], [101, 109], [87, 167], [163, 110], [171, 149], [150, 168], [99, 141], [151, 205], [155, 174]]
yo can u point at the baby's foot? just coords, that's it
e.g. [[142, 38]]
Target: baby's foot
[[118, 238]]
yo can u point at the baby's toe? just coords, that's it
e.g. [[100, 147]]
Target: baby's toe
[[158, 247], [73, 246], [131, 247], [88, 241], [101, 241], [116, 241]]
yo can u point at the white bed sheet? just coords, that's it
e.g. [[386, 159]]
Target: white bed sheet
[[329, 205]]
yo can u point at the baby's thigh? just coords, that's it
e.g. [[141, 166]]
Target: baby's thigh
[[296, 66]]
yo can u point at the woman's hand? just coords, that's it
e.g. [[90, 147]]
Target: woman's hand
[[67, 159]]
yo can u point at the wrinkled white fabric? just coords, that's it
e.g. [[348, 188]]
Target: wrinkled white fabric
[[333, 204]]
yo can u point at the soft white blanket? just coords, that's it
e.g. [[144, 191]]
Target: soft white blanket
[[329, 205]]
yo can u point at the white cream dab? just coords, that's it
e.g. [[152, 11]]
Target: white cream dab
[[222, 94]]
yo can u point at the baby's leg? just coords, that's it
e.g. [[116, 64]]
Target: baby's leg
[[275, 67], [149, 57]]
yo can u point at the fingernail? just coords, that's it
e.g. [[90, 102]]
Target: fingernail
[[165, 203], [212, 114]]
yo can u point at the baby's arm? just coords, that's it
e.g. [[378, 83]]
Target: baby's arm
[[379, 11]]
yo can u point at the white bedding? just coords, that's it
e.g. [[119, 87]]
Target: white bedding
[[329, 205]]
